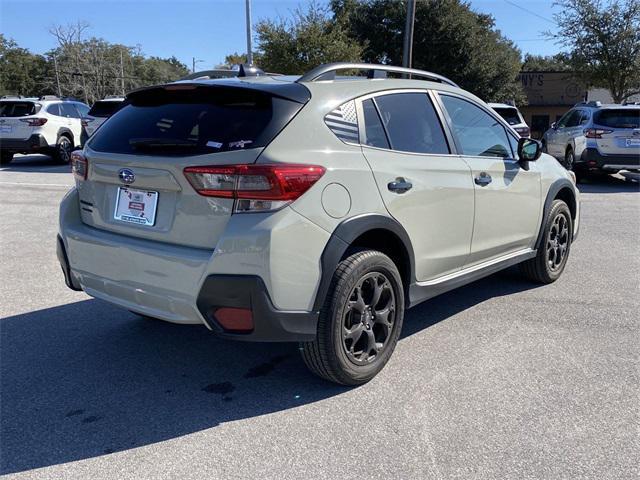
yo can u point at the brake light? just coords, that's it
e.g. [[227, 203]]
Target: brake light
[[595, 132], [79, 165], [255, 187], [34, 122]]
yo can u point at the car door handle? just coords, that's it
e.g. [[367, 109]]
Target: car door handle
[[399, 185], [483, 179]]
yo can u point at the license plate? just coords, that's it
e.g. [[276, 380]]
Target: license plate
[[136, 206], [6, 128], [633, 142]]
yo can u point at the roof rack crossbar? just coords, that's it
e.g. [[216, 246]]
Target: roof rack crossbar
[[328, 71]]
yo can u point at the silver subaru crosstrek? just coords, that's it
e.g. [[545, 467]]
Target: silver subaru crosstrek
[[313, 209], [596, 138]]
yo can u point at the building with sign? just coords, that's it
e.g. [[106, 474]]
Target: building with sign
[[549, 95]]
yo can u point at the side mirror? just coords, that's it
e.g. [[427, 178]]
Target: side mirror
[[554, 126], [529, 150]]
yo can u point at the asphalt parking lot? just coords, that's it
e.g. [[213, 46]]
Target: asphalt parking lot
[[500, 379]]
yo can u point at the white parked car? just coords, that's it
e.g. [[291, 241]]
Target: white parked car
[[47, 124], [513, 117], [100, 111]]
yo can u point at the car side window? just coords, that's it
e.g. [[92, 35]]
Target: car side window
[[565, 118], [574, 119], [584, 118], [54, 110], [69, 111], [374, 134], [411, 123], [83, 110], [477, 132]]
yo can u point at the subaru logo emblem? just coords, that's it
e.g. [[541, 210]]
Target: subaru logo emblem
[[126, 176]]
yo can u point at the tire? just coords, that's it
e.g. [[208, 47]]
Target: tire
[[551, 259], [62, 151], [569, 159], [6, 158], [352, 324]]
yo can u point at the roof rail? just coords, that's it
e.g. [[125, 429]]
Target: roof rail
[[591, 103], [7, 97], [328, 71], [49, 97]]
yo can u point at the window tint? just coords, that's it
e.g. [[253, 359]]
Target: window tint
[[194, 122], [54, 109], [373, 129], [82, 109], [618, 118], [68, 110], [17, 109], [411, 123], [584, 117], [564, 119], [104, 109], [574, 119], [478, 133], [509, 114]]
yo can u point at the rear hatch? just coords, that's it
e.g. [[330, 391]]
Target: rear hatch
[[136, 184], [618, 130], [14, 119]]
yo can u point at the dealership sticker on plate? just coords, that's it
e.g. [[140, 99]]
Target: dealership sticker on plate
[[136, 206]]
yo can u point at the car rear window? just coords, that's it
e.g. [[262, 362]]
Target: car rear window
[[17, 109], [618, 118], [194, 121], [104, 109], [509, 114]]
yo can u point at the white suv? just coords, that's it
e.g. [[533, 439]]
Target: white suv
[[99, 112], [513, 117], [47, 125], [311, 209]]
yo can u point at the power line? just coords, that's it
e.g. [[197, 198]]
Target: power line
[[531, 12]]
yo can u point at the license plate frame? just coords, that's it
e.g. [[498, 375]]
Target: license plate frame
[[632, 142], [136, 207]]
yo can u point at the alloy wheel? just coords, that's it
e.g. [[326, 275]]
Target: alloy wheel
[[558, 242], [369, 318], [64, 150]]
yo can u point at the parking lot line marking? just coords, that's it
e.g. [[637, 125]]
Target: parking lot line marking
[[37, 184]]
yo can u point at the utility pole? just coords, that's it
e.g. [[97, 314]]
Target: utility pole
[[122, 71], [249, 49], [193, 64], [55, 66], [407, 50]]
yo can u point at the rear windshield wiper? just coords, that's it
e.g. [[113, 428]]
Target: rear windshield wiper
[[162, 143]]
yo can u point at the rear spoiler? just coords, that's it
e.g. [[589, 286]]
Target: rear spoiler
[[287, 90]]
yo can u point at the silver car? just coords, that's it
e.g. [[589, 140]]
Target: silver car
[[592, 137], [312, 209]]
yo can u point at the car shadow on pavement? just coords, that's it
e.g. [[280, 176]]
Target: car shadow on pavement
[[86, 379], [608, 184], [36, 164]]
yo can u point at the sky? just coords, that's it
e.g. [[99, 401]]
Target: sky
[[207, 30]]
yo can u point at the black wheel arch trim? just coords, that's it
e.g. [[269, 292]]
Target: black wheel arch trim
[[553, 191], [66, 132], [343, 237]]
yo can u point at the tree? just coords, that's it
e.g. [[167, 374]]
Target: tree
[[312, 37], [21, 72], [449, 38], [603, 40], [541, 63]]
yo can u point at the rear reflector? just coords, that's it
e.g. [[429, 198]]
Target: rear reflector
[[79, 165], [255, 187], [238, 320]]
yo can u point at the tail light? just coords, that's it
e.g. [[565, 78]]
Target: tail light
[[34, 122], [595, 132], [256, 188], [85, 121], [79, 165]]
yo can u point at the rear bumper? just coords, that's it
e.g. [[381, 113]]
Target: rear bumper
[[169, 282], [34, 143], [591, 158]]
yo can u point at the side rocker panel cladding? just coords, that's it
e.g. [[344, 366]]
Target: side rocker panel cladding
[[344, 235]]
